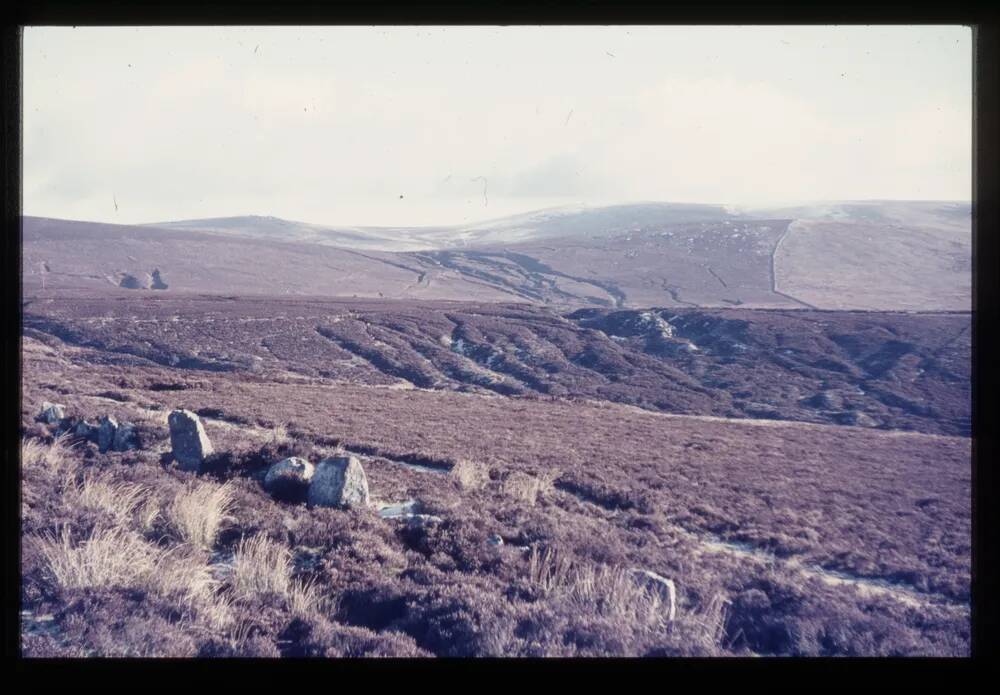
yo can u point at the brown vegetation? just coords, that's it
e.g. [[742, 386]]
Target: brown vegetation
[[124, 555]]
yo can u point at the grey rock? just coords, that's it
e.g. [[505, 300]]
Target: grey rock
[[857, 418], [421, 520], [157, 282], [51, 413], [830, 400], [125, 437], [764, 410], [662, 586], [188, 441], [289, 478], [131, 282], [339, 481], [106, 430], [86, 430], [864, 420], [398, 510]]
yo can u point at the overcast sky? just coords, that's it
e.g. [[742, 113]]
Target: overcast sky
[[419, 126]]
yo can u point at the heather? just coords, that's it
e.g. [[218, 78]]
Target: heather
[[782, 537]]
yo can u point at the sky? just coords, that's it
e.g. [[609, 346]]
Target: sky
[[422, 126]]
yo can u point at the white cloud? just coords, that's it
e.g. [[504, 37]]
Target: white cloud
[[334, 125]]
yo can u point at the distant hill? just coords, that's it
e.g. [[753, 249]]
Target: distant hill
[[540, 224], [871, 255]]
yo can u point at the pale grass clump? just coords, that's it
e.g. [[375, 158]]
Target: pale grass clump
[[612, 592], [279, 434], [148, 513], [471, 475], [548, 569], [303, 599], [55, 459], [120, 558], [526, 488], [706, 627], [197, 513], [109, 557], [184, 574], [262, 567], [596, 589], [119, 500]]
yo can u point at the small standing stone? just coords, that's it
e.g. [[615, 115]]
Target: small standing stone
[[422, 520], [661, 585], [106, 430], [86, 430], [188, 440], [289, 478], [51, 413], [496, 539], [339, 481], [125, 437]]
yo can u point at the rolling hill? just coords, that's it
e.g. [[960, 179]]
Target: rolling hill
[[868, 256]]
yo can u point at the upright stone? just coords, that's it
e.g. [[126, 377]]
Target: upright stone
[[188, 439], [51, 413], [125, 437], [660, 585], [106, 429], [86, 430], [158, 283], [339, 481]]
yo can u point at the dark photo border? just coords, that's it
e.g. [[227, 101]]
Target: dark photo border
[[985, 320]]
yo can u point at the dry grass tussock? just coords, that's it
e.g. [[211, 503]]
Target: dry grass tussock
[[527, 488], [119, 500], [279, 434], [55, 459], [595, 589], [108, 558], [198, 512], [262, 567], [612, 592], [707, 626], [471, 475], [118, 557]]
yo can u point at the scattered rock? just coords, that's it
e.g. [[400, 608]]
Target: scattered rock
[[826, 400], [157, 282], [397, 510], [664, 587], [857, 418], [188, 440], [289, 478], [131, 282], [106, 430], [125, 437], [86, 430], [421, 520], [51, 413], [764, 410], [339, 481]]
